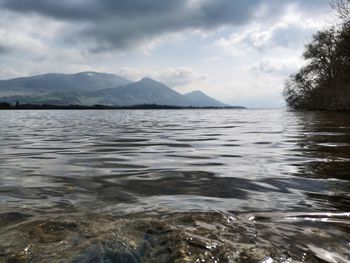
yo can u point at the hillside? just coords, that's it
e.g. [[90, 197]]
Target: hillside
[[145, 91], [203, 100], [60, 83], [92, 88]]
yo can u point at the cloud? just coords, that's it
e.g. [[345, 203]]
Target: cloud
[[179, 77], [6, 73], [102, 25], [257, 39], [272, 66], [168, 40], [292, 30], [172, 77], [3, 49]]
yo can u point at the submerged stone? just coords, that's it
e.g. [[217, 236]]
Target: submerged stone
[[12, 218], [51, 231], [179, 237]]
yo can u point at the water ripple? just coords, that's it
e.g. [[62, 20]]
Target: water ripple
[[128, 186]]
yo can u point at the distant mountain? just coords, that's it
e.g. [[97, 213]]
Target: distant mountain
[[145, 91], [202, 100], [60, 83], [58, 89], [91, 88]]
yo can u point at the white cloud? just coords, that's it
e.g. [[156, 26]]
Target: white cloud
[[21, 34], [7, 73], [172, 77], [280, 67], [131, 74], [179, 76], [291, 31]]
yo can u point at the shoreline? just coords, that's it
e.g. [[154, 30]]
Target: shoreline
[[105, 107]]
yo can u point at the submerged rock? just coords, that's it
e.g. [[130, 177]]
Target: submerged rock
[[51, 231], [181, 237], [9, 218]]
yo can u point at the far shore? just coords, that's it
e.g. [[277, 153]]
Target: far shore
[[7, 106]]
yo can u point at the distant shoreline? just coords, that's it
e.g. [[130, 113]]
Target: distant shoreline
[[7, 106]]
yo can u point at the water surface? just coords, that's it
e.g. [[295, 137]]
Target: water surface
[[174, 186]]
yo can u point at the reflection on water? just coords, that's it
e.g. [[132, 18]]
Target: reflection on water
[[174, 186]]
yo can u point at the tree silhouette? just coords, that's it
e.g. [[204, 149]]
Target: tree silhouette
[[324, 82]]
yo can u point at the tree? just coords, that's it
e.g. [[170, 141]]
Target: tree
[[343, 9], [5, 105], [323, 83]]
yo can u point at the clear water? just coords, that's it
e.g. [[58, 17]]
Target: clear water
[[174, 186]]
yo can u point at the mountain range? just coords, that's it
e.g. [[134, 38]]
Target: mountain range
[[92, 88]]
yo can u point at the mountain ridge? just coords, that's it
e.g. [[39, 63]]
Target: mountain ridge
[[92, 88], [144, 91], [54, 82], [203, 100]]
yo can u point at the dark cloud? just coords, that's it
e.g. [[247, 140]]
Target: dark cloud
[[4, 49], [111, 24], [91, 9]]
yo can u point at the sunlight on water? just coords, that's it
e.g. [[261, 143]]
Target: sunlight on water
[[174, 186]]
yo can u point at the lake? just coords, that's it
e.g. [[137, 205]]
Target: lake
[[174, 186]]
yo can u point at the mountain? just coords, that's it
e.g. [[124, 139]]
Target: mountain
[[59, 83], [145, 91], [92, 88], [202, 100]]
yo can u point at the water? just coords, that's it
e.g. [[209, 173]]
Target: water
[[174, 186]]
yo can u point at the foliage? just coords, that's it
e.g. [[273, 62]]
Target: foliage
[[324, 82]]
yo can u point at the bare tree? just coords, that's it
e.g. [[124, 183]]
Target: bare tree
[[324, 82], [343, 9]]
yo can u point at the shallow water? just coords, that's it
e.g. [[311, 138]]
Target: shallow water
[[174, 186]]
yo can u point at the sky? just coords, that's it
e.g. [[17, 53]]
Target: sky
[[238, 51]]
